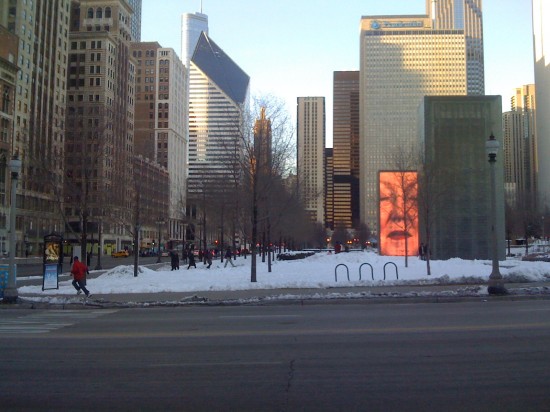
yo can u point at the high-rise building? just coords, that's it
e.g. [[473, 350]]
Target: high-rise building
[[463, 15], [541, 30], [99, 145], [262, 144], [161, 124], [403, 59], [311, 136], [8, 76], [346, 149], [135, 20], [329, 189], [519, 150], [455, 200], [192, 25], [39, 118], [218, 97]]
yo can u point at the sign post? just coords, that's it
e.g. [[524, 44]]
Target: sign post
[[52, 261]]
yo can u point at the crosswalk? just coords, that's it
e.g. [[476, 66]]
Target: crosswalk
[[47, 321]]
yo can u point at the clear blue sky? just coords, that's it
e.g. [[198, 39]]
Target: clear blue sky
[[291, 48]]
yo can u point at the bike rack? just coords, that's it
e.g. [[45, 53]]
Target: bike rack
[[336, 271], [396, 271], [371, 270]]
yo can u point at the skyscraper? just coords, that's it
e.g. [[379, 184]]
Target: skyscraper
[[346, 149], [135, 20], [541, 30], [99, 145], [192, 25], [311, 136], [218, 96], [463, 15], [519, 151], [161, 121], [402, 60], [39, 117]]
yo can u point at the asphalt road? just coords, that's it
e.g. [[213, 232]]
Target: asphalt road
[[467, 356]]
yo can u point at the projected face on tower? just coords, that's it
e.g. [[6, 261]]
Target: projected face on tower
[[398, 213]]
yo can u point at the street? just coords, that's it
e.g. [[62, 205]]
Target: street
[[465, 356]]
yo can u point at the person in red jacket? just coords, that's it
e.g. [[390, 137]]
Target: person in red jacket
[[79, 271]]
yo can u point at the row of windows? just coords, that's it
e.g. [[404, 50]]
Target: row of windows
[[99, 13]]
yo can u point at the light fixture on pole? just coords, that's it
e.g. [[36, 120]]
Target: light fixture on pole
[[160, 222], [496, 282], [10, 292]]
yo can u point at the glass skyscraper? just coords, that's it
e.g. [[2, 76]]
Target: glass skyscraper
[[218, 95]]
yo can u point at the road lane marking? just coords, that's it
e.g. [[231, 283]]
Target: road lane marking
[[47, 321]]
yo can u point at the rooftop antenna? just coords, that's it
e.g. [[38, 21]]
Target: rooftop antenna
[[201, 6]]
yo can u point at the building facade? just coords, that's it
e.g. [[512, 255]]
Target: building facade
[[520, 150], [346, 149], [455, 183], [218, 98], [100, 189], [402, 60], [541, 31], [161, 124], [192, 25], [8, 76], [311, 137], [39, 118], [463, 15]]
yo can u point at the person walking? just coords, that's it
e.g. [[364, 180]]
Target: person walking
[[208, 258], [191, 259], [228, 257], [78, 271]]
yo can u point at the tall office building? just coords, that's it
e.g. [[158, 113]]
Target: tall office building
[[463, 15], [541, 29], [39, 118], [161, 122], [346, 149], [329, 189], [99, 145], [9, 43], [519, 150], [135, 20], [218, 97], [403, 59], [311, 136], [192, 25]]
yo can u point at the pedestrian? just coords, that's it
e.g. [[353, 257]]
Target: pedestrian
[[78, 271], [208, 258], [174, 260], [191, 259], [228, 257]]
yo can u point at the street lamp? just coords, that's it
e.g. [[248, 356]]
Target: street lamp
[[10, 292], [496, 282], [160, 222]]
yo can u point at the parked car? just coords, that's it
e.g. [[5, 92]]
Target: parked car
[[120, 253]]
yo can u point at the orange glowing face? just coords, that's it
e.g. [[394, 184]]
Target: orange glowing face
[[398, 213]]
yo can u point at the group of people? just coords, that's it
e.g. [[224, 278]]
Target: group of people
[[188, 256]]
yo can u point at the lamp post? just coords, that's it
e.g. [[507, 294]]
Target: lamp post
[[10, 292], [496, 282], [160, 222]]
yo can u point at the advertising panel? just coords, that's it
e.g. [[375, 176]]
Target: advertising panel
[[398, 213]]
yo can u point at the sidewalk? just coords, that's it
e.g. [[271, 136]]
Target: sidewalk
[[367, 294]]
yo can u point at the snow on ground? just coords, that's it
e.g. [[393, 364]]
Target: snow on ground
[[316, 271]]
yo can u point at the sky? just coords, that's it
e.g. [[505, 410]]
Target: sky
[[291, 48], [317, 271]]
